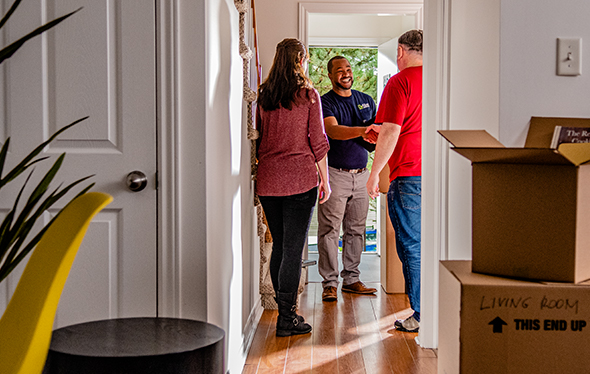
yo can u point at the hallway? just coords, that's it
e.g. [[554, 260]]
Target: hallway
[[353, 335]]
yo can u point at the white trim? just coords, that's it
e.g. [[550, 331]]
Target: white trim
[[238, 362], [435, 167], [251, 326], [327, 41], [168, 133], [408, 7]]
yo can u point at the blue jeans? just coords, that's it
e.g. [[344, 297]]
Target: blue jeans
[[288, 220], [404, 200]]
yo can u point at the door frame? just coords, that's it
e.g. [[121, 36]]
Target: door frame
[[408, 7], [181, 123], [168, 297], [436, 19], [435, 160]]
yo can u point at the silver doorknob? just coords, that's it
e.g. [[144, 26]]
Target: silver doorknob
[[136, 181]]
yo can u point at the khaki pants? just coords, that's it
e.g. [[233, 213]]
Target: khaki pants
[[347, 206]]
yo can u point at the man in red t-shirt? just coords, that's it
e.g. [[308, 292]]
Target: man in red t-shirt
[[400, 145]]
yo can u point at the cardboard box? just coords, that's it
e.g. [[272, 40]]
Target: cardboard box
[[499, 325], [392, 275], [531, 205]]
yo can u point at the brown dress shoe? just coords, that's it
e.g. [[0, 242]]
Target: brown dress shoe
[[358, 287], [330, 294]]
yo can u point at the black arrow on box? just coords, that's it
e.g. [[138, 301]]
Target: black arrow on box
[[498, 323]]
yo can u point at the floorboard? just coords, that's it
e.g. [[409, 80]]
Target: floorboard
[[354, 334]]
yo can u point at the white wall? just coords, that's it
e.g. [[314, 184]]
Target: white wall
[[229, 204], [191, 106], [217, 263], [528, 84], [502, 72], [473, 103], [461, 70]]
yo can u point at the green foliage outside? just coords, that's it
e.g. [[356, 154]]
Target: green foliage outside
[[362, 60]]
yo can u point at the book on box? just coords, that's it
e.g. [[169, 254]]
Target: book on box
[[568, 134]]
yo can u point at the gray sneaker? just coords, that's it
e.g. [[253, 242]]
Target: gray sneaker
[[409, 324]]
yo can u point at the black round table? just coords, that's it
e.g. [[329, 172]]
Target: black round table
[[137, 345]]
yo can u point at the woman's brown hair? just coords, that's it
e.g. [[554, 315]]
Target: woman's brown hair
[[286, 76]]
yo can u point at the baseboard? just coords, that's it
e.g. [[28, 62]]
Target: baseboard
[[251, 326], [238, 359]]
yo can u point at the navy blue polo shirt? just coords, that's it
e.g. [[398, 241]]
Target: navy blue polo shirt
[[355, 110]]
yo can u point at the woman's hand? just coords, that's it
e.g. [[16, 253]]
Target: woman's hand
[[324, 191]]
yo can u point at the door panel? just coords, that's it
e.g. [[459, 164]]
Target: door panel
[[98, 63]]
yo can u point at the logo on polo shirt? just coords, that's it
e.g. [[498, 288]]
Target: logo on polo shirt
[[363, 106]]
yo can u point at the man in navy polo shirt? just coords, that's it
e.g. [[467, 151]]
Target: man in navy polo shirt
[[348, 117]]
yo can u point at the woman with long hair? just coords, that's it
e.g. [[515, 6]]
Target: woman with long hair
[[291, 149]]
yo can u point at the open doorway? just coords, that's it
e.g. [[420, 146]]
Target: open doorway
[[369, 42], [364, 63]]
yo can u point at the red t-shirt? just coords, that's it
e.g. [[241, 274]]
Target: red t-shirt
[[401, 103], [290, 144]]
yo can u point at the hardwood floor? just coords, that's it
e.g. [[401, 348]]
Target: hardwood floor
[[353, 335]]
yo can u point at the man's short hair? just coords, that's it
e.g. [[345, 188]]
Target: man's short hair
[[412, 40], [331, 62]]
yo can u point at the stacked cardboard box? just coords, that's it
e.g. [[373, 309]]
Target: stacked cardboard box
[[531, 226], [501, 325]]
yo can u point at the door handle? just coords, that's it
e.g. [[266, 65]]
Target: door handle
[[136, 181]]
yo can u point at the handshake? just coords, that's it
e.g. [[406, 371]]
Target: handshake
[[371, 133]]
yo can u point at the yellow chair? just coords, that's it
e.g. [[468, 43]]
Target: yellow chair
[[27, 323]]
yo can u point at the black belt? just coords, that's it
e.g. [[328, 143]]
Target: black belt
[[353, 171]]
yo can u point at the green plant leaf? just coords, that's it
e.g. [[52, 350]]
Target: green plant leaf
[[56, 195], [4, 232], [9, 13], [26, 162], [34, 198], [24, 223], [11, 235], [86, 189], [16, 231], [8, 51], [7, 267], [17, 237], [6, 180], [44, 184], [3, 153]]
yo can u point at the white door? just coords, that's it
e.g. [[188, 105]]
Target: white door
[[98, 63]]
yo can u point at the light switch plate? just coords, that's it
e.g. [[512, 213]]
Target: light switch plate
[[569, 56]]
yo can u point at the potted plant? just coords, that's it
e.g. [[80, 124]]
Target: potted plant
[[19, 222]]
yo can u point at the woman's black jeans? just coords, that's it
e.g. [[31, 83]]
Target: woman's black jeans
[[288, 220]]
